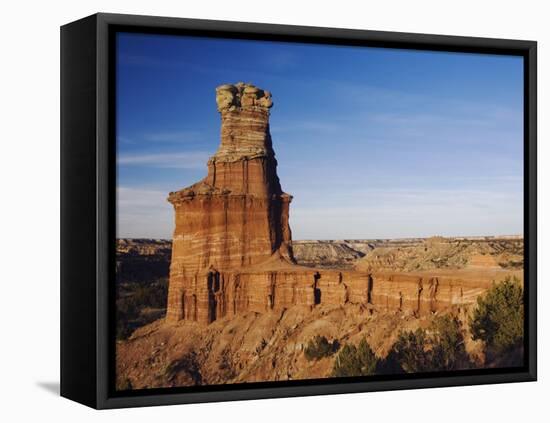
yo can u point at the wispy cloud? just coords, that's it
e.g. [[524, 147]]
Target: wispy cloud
[[368, 147], [174, 136], [140, 197], [372, 213], [413, 107], [395, 213], [306, 126], [124, 140], [143, 213], [187, 160], [449, 120], [276, 63], [164, 63], [279, 59]]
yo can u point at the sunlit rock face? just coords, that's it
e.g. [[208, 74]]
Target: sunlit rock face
[[235, 217], [231, 250]]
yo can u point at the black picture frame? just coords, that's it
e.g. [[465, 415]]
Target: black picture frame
[[88, 206]]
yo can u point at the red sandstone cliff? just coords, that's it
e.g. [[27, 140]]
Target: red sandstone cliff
[[232, 266], [237, 216], [231, 246]]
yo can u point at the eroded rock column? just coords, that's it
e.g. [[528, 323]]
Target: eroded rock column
[[235, 217]]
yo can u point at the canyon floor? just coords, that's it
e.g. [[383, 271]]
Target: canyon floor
[[270, 346], [251, 347]]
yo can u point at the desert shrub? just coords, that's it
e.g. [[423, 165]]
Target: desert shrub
[[124, 385], [132, 299], [448, 348], [188, 365], [498, 319], [410, 353], [319, 347], [123, 330], [127, 311], [441, 347], [153, 295], [355, 361]]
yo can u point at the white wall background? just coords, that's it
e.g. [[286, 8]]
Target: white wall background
[[29, 177]]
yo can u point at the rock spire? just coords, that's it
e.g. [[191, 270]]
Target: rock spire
[[238, 215]]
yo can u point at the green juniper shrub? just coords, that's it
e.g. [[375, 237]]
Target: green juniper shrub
[[124, 385], [319, 347], [498, 321], [441, 347], [188, 364], [448, 348], [389, 365], [409, 352], [355, 361], [133, 299], [152, 295]]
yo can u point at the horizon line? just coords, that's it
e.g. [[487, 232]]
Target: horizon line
[[500, 236]]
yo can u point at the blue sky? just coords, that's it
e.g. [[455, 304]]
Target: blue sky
[[371, 142]]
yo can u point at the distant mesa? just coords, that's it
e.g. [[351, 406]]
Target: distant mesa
[[232, 253]]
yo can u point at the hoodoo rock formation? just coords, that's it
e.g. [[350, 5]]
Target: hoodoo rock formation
[[231, 249], [237, 216]]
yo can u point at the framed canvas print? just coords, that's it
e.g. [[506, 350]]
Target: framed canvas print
[[255, 211]]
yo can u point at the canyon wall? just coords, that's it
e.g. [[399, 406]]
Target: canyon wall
[[222, 294], [232, 252]]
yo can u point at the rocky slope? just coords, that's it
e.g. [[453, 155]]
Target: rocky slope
[[329, 254], [445, 253], [254, 346]]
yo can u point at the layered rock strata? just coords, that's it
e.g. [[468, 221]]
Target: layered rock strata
[[231, 246], [259, 290], [238, 215]]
